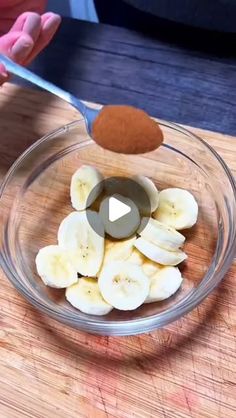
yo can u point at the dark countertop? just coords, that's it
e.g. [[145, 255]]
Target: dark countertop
[[186, 77]]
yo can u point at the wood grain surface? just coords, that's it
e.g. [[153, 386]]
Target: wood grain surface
[[48, 370]]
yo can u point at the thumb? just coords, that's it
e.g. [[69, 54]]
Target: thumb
[[3, 74], [17, 46]]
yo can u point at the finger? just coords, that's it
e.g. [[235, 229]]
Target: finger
[[28, 22], [49, 25], [16, 45], [22, 48], [3, 74]]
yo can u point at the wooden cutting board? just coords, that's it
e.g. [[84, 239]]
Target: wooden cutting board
[[48, 370]]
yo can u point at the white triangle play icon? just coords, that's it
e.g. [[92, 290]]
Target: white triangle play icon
[[117, 209]]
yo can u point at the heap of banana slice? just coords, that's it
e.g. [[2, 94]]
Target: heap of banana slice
[[100, 273]]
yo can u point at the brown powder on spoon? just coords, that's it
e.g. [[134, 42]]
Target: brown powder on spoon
[[126, 130]]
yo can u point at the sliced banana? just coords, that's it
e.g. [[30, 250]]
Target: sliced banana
[[136, 257], [55, 267], [86, 185], [158, 254], [151, 191], [177, 208], [160, 234], [86, 296], [86, 246], [123, 285], [118, 250], [150, 268], [164, 284]]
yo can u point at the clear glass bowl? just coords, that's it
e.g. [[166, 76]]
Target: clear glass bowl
[[34, 198]]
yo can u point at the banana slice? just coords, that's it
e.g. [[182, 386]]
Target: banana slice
[[55, 267], [164, 284], [136, 257], [123, 285], [86, 185], [150, 268], [158, 254], [151, 191], [177, 208], [86, 246], [160, 234], [118, 250], [86, 296]]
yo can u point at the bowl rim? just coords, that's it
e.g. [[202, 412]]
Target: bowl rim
[[132, 326]]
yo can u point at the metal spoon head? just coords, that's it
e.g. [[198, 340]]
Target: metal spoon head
[[90, 115]]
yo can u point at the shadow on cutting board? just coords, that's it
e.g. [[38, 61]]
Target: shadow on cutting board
[[24, 118]]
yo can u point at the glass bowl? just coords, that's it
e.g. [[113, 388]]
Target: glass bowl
[[34, 198]]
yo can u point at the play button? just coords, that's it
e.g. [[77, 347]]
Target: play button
[[121, 209], [120, 216], [117, 209]]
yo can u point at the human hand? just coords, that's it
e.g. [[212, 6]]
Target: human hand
[[24, 37]]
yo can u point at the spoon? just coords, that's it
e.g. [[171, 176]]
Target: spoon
[[123, 129], [88, 113]]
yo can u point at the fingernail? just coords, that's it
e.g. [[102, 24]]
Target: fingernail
[[52, 22], [3, 72], [21, 48], [4, 77]]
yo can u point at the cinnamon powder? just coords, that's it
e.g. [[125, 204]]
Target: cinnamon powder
[[126, 130]]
